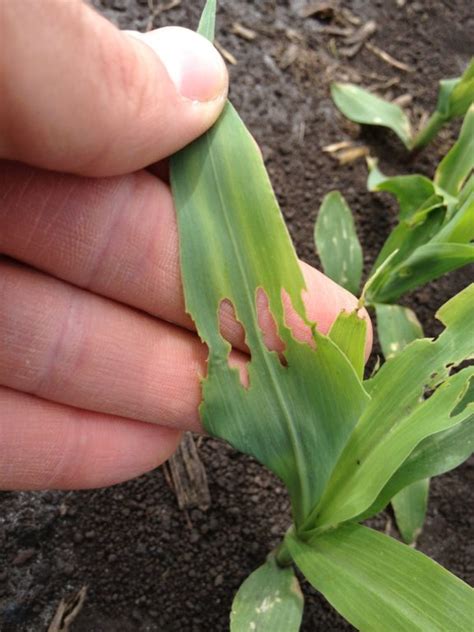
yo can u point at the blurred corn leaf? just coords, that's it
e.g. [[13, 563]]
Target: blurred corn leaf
[[409, 507], [458, 163], [362, 106], [454, 98], [207, 23], [234, 244], [411, 191], [396, 419], [410, 234], [269, 600], [396, 326], [436, 455], [349, 332], [337, 243], [460, 228], [377, 583], [426, 263]]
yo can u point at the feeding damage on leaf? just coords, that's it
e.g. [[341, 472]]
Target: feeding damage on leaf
[[301, 406]]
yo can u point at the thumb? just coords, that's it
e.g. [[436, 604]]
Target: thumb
[[79, 95]]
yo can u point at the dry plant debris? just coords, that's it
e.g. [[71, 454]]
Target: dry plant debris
[[67, 611], [243, 32], [388, 58]]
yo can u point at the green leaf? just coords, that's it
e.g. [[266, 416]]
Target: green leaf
[[349, 333], [411, 191], [410, 234], [454, 98], [427, 262], [460, 228], [269, 600], [337, 244], [458, 163], [207, 23], [377, 583], [456, 95], [233, 243], [396, 421], [361, 106], [409, 506], [397, 326], [467, 190], [436, 455]]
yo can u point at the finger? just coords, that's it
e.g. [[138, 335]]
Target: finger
[[66, 345], [78, 95], [45, 445], [118, 238]]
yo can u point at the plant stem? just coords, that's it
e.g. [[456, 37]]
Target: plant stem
[[429, 131], [282, 555]]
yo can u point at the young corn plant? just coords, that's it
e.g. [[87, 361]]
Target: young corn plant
[[361, 106], [434, 236], [343, 446]]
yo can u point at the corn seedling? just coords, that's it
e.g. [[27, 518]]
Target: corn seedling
[[434, 236], [343, 446], [454, 98]]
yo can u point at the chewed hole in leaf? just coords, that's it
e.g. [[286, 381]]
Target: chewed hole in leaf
[[232, 330], [268, 326], [466, 398], [300, 330]]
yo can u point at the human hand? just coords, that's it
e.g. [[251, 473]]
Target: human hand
[[94, 339]]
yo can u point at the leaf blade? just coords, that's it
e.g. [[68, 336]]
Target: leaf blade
[[269, 600], [207, 23], [458, 163], [361, 106], [409, 506], [337, 243], [224, 200], [396, 419], [397, 326], [377, 583], [349, 333]]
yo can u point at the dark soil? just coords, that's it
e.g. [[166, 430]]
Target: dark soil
[[148, 566]]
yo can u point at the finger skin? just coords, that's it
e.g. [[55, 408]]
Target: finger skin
[[78, 95], [118, 238], [70, 346], [45, 445]]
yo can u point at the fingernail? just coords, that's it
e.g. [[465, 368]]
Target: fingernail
[[193, 64]]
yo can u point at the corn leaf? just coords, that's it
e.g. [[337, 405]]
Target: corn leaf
[[454, 98], [337, 244], [456, 95], [377, 583], [426, 263], [294, 417], [436, 455], [269, 600], [411, 233], [207, 23], [458, 163], [396, 326], [361, 106], [467, 190], [396, 421], [409, 506], [411, 191], [349, 333], [460, 228]]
